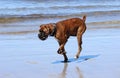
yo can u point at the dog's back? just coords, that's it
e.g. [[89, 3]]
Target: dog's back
[[71, 25]]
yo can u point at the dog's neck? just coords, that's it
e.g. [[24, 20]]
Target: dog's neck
[[53, 32]]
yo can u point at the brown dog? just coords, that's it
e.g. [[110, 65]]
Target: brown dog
[[62, 30]]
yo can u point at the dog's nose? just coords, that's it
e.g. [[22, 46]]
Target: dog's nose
[[42, 36], [40, 31]]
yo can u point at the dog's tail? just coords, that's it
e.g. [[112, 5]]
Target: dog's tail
[[84, 18]]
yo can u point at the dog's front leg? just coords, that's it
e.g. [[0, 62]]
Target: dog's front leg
[[61, 50]]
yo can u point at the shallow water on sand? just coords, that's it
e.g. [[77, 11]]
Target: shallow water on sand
[[27, 56]]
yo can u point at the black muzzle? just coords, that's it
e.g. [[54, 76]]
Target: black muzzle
[[42, 35]]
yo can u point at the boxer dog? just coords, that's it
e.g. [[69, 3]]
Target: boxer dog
[[62, 30]]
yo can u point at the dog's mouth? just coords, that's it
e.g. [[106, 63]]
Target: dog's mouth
[[42, 36]]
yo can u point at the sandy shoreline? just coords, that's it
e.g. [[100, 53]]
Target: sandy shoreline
[[25, 56]]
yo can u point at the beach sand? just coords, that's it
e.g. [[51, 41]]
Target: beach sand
[[23, 55]]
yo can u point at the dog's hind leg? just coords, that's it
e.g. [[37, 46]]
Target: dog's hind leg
[[80, 32], [79, 38]]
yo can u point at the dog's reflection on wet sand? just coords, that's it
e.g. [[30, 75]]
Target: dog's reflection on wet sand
[[64, 71], [65, 74]]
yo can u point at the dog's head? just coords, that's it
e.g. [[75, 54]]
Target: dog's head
[[43, 32]]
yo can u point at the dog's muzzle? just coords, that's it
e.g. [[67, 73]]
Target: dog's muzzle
[[42, 36]]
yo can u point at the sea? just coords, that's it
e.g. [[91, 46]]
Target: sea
[[32, 13], [18, 10]]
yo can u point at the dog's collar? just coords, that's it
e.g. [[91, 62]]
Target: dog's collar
[[54, 30]]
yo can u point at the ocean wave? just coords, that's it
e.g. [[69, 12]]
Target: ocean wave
[[55, 9], [59, 6], [17, 32], [15, 18], [105, 22]]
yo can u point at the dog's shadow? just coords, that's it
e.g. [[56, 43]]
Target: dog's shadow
[[80, 59]]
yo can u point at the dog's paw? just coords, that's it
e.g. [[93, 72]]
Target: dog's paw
[[59, 51], [76, 57]]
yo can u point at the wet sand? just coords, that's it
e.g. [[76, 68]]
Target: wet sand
[[23, 55]]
